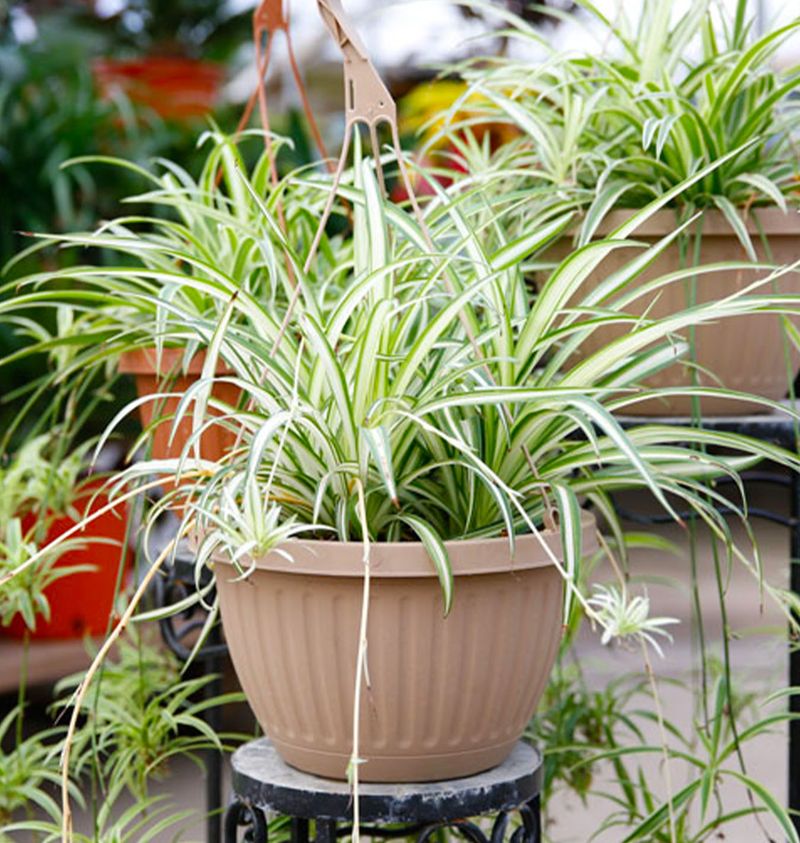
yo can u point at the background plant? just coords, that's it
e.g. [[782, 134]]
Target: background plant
[[671, 91], [140, 716], [27, 768]]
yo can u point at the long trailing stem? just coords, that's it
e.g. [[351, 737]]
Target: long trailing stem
[[651, 678], [361, 666], [730, 710], [83, 688], [23, 685]]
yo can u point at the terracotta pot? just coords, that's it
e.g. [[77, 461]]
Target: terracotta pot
[[82, 603], [746, 353], [448, 697], [216, 440], [174, 87]]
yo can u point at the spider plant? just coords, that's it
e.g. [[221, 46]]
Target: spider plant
[[38, 481], [143, 822], [597, 743], [39, 476], [671, 90], [25, 595], [27, 770], [436, 401]]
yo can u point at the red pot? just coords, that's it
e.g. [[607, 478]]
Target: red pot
[[174, 87], [82, 603]]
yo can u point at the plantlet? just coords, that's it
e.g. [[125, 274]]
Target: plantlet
[[143, 822], [27, 770], [36, 479], [25, 595]]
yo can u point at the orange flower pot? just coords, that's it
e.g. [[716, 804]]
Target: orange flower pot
[[158, 414], [174, 87]]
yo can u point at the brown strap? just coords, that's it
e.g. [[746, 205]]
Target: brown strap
[[367, 99]]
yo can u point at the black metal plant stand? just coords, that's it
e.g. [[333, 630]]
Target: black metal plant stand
[[778, 429], [263, 783]]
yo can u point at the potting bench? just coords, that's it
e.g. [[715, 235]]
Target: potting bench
[[264, 784]]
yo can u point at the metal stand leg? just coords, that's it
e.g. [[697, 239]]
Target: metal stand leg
[[534, 808], [794, 657], [299, 833], [239, 815], [326, 831]]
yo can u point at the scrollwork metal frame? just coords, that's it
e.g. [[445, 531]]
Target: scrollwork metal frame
[[253, 821]]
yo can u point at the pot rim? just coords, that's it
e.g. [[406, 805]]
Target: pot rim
[[142, 361], [772, 219], [410, 559]]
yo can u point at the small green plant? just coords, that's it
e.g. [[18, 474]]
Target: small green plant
[[144, 822], [140, 714], [39, 477], [573, 722], [38, 482], [25, 595], [28, 770], [598, 742]]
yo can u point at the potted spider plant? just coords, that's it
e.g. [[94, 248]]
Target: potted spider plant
[[396, 545], [671, 91], [415, 470], [43, 496]]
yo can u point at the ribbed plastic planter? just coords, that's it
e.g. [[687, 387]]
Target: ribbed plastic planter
[[745, 353], [447, 697]]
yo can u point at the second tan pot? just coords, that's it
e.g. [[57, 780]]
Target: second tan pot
[[152, 379], [745, 353], [448, 697]]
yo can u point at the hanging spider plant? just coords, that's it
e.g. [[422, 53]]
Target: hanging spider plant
[[666, 93], [437, 406]]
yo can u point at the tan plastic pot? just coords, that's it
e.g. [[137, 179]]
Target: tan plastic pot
[[448, 697], [745, 353], [151, 380]]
